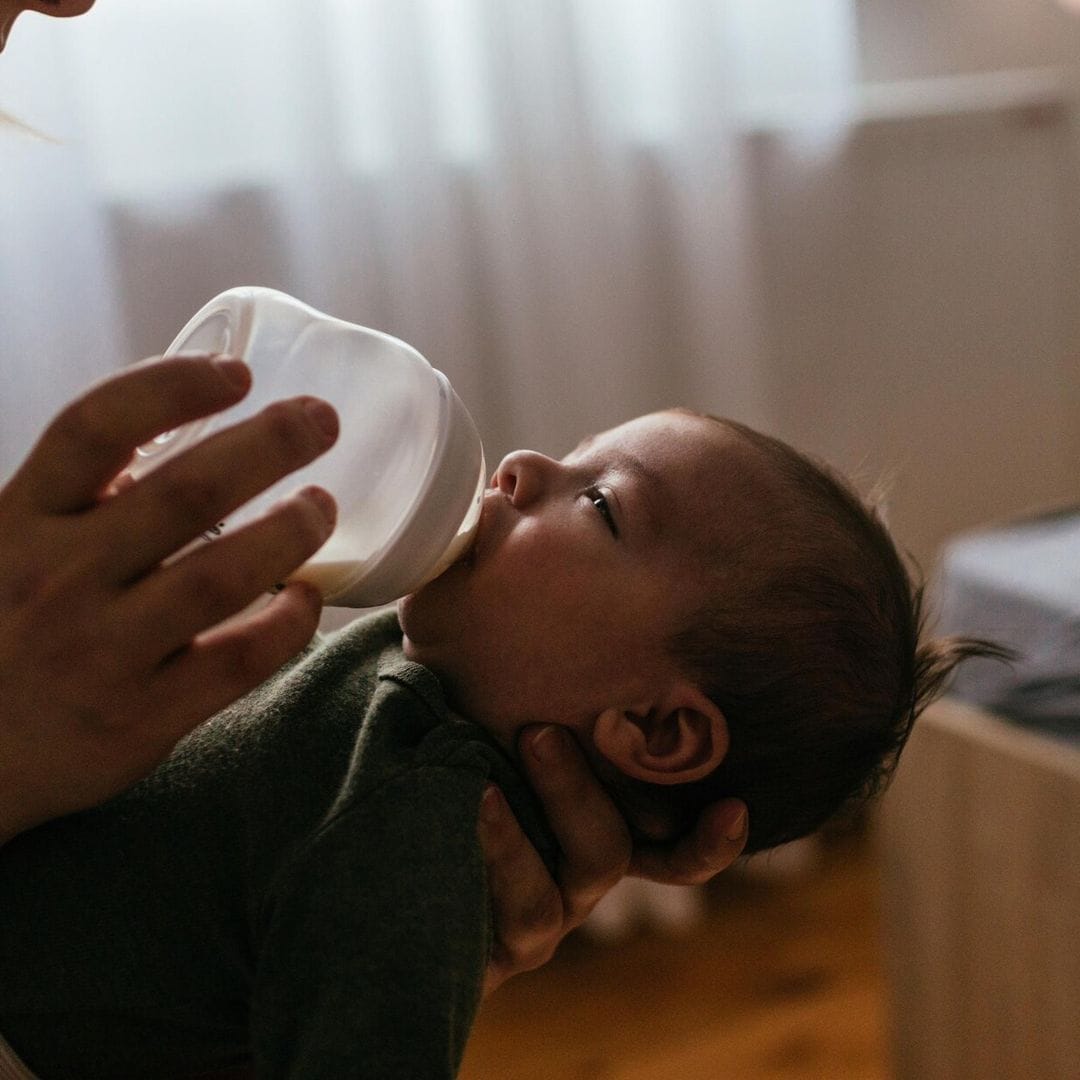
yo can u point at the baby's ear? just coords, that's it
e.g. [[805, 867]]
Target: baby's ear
[[681, 740]]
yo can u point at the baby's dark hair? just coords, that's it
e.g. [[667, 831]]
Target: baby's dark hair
[[811, 642]]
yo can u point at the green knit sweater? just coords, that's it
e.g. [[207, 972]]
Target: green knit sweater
[[299, 885]]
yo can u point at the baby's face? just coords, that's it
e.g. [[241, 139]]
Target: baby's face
[[581, 571]]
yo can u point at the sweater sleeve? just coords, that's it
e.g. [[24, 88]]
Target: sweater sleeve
[[375, 938]]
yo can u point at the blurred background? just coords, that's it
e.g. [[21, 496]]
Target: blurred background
[[854, 223]]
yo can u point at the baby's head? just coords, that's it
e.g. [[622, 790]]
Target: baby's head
[[712, 613]]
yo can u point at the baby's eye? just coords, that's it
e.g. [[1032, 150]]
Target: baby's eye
[[599, 500]]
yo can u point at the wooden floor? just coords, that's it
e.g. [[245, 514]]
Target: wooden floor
[[783, 979]]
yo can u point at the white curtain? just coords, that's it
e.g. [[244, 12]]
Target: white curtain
[[551, 199]]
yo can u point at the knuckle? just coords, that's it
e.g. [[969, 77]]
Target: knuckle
[[296, 626], [602, 869], [307, 528], [699, 877], [611, 869], [244, 661], [249, 658], [542, 919], [86, 423], [695, 873], [106, 653], [588, 897], [532, 953], [707, 862], [107, 721], [210, 590], [99, 668], [193, 499], [26, 586], [289, 431]]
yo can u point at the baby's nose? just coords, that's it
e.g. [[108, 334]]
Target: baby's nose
[[523, 475]]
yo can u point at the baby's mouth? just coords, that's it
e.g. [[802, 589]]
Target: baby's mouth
[[468, 558], [484, 525]]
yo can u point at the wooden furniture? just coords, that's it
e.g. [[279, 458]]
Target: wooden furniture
[[981, 860]]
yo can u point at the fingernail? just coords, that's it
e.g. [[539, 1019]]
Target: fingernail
[[545, 745], [323, 501], [323, 417], [491, 805], [235, 371], [735, 825]]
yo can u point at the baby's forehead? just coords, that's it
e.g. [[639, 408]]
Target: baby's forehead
[[661, 433], [681, 443], [710, 478]]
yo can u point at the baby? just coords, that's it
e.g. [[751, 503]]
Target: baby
[[300, 885], [725, 618]]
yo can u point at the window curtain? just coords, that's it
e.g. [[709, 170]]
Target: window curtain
[[554, 200]]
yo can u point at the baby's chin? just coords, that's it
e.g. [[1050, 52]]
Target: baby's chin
[[411, 620], [433, 609]]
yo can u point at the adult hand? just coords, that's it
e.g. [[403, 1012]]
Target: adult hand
[[108, 653], [532, 912]]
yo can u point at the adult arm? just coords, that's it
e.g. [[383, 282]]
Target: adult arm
[[107, 655], [533, 912], [373, 941]]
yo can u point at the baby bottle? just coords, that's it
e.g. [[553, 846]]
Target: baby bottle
[[407, 470]]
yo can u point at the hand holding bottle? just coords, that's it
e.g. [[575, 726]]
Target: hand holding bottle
[[108, 653]]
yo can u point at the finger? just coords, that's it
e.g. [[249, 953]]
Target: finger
[[225, 663], [716, 842], [93, 438], [527, 909], [195, 490], [591, 831], [220, 578]]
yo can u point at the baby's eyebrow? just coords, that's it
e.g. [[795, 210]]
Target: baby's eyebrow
[[651, 486]]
